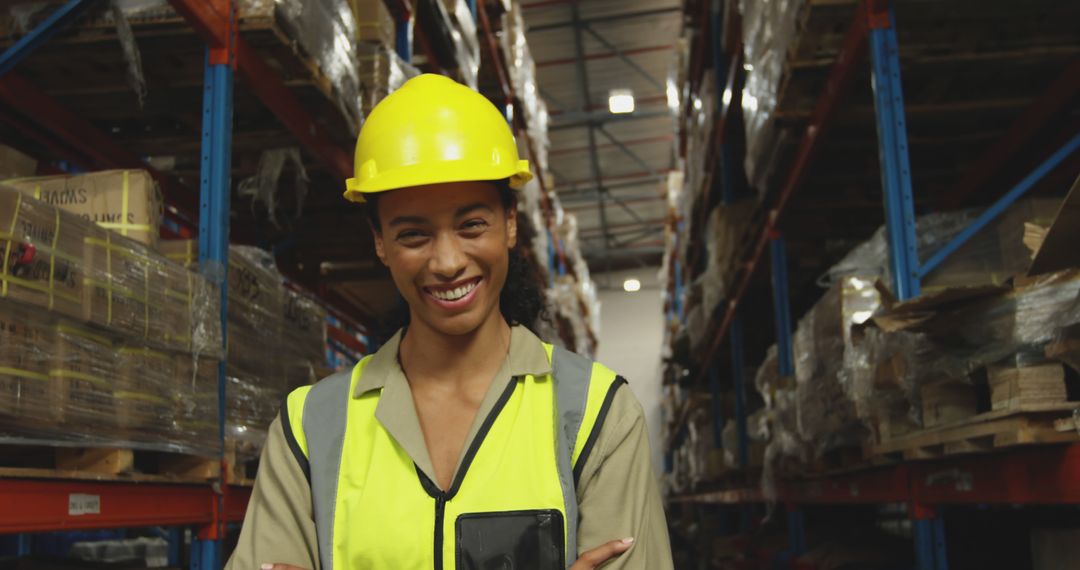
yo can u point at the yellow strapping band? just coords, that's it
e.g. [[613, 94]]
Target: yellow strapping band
[[83, 333], [61, 373], [52, 260], [36, 286], [23, 373], [7, 246], [124, 204], [124, 227], [142, 397]]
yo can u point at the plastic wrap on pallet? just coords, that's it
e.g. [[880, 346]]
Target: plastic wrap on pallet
[[826, 415], [250, 409], [981, 331], [466, 40], [60, 262], [992, 255], [522, 72], [769, 29], [381, 72], [326, 30], [777, 425], [66, 381], [724, 235]]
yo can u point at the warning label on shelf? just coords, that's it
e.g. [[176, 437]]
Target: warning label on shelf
[[79, 504]]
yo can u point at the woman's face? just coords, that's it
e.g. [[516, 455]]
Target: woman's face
[[447, 247]]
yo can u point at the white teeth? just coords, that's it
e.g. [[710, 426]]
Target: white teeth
[[455, 294]]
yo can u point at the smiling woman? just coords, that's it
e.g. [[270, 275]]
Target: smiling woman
[[465, 441], [521, 301]]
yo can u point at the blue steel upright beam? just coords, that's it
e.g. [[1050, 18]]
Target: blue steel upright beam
[[738, 378], [403, 39], [893, 150], [214, 201], [57, 20], [929, 533], [997, 208], [781, 305]]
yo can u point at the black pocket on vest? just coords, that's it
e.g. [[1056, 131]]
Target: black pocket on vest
[[513, 540]]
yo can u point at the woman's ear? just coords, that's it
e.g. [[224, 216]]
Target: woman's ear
[[380, 250], [511, 227]]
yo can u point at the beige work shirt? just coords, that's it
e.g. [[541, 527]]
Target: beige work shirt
[[617, 493]]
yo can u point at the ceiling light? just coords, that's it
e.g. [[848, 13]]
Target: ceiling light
[[631, 285], [621, 101]]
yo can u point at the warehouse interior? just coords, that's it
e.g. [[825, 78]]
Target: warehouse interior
[[830, 245]]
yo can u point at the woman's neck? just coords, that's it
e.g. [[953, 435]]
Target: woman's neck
[[427, 354]]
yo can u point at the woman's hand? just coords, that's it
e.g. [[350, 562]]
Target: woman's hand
[[597, 556], [588, 561]]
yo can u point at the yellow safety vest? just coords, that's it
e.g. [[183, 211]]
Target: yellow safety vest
[[512, 503]]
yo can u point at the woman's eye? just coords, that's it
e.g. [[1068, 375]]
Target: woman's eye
[[474, 225], [410, 236]]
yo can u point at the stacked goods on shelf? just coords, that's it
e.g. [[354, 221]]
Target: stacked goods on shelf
[[554, 248], [14, 164], [276, 339], [126, 201], [380, 71], [573, 297], [96, 326], [770, 31], [324, 34], [979, 355], [451, 33], [522, 76]]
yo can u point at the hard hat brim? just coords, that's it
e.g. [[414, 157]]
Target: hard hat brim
[[423, 174]]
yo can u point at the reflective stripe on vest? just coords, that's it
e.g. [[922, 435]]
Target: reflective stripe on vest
[[513, 475]]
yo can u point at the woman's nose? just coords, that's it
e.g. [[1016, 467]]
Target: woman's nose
[[447, 259]]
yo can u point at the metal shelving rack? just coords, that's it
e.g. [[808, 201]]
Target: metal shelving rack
[[57, 505], [60, 505], [1022, 476]]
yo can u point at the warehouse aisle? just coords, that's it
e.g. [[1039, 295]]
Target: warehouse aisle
[[828, 243]]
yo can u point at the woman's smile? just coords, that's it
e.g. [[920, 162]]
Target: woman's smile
[[455, 295]]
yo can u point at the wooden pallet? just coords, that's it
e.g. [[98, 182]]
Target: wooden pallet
[[105, 464], [1032, 424], [240, 469]]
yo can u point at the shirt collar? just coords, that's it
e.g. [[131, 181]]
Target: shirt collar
[[527, 355]]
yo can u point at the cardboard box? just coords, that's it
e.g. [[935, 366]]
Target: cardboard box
[[26, 390], [118, 277], [1012, 388], [183, 252], [43, 255], [84, 369], [196, 401], [947, 402], [304, 327], [14, 164], [124, 201], [145, 391], [374, 23]]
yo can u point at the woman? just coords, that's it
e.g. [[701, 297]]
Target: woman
[[465, 441]]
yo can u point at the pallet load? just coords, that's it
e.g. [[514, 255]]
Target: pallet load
[[92, 337], [976, 363], [277, 339]]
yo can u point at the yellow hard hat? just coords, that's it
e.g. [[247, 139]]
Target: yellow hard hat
[[430, 131]]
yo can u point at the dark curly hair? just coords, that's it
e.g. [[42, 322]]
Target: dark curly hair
[[521, 301]]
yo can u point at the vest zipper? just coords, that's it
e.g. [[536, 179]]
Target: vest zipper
[[440, 514], [440, 496]]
